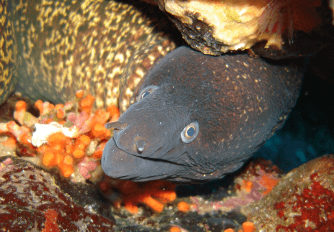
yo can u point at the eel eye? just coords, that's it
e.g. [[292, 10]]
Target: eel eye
[[190, 132], [146, 91]]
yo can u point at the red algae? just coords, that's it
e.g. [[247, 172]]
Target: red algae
[[31, 201], [302, 201], [320, 216]]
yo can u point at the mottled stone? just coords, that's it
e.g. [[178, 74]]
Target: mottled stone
[[278, 29], [251, 184], [302, 201], [27, 195]]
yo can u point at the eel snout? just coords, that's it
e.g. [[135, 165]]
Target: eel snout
[[120, 164], [138, 141]]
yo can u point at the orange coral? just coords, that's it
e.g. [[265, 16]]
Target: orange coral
[[268, 182], [10, 142], [229, 230], [79, 93], [154, 194], [75, 147], [248, 227], [114, 111], [51, 221], [86, 103], [174, 229], [183, 206], [20, 109], [247, 185]]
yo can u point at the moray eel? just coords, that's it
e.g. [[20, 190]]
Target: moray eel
[[198, 117], [53, 48]]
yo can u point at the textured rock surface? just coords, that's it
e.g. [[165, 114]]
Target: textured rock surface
[[303, 200], [215, 27], [283, 27], [27, 196]]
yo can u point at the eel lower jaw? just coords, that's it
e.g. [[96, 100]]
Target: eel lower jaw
[[119, 164]]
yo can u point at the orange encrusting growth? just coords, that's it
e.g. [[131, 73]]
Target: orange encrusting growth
[[39, 105], [20, 110], [99, 150], [114, 111], [21, 133], [174, 229], [268, 182], [246, 227], [44, 107], [86, 103], [247, 185], [79, 93], [51, 221], [154, 194], [72, 151], [10, 142], [77, 153], [229, 230], [183, 206]]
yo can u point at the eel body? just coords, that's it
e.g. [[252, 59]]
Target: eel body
[[53, 48], [198, 117]]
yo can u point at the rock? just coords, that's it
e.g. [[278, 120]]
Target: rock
[[251, 184], [276, 29], [32, 201], [302, 201]]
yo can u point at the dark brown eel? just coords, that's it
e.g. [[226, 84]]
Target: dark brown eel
[[198, 117]]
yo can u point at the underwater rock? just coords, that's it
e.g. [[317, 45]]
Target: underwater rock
[[31, 200], [284, 28], [303, 200], [251, 184]]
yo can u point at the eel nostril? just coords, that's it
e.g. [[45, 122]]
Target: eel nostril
[[116, 125], [140, 145]]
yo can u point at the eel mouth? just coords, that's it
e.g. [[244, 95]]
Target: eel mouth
[[119, 164]]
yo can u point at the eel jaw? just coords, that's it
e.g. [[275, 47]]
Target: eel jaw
[[119, 164]]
